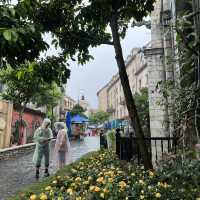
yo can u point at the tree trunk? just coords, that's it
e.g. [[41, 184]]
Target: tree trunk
[[135, 123], [21, 112], [52, 117]]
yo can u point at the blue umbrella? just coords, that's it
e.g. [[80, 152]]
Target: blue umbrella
[[78, 119], [68, 123]]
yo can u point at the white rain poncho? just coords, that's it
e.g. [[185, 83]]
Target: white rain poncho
[[42, 148], [62, 145]]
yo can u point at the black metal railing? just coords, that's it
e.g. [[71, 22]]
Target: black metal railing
[[127, 148], [103, 141]]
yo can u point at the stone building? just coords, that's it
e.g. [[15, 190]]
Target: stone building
[[66, 104], [102, 98], [83, 102], [111, 96]]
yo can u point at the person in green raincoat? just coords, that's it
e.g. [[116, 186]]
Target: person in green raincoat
[[42, 137]]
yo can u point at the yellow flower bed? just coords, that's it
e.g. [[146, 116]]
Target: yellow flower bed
[[103, 176]]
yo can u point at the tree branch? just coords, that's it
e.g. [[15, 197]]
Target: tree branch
[[93, 39]]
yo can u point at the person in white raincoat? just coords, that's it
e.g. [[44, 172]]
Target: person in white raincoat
[[42, 137], [62, 150]]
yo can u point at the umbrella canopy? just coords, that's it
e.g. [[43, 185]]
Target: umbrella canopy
[[100, 126], [68, 123], [78, 119], [92, 126]]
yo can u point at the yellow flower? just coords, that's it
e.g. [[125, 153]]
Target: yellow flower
[[73, 184], [78, 198], [100, 180], [141, 182], [33, 197], [110, 180], [77, 179], [43, 196], [74, 170], [102, 195], [97, 189], [86, 183], [51, 193], [89, 178], [100, 174], [48, 188], [157, 195], [82, 168], [105, 190], [92, 188], [55, 182], [122, 184], [151, 174], [141, 196], [149, 187], [69, 191], [165, 185], [58, 177]]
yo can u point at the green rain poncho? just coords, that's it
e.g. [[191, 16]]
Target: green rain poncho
[[42, 148]]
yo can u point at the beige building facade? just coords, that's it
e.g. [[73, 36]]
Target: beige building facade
[[66, 104], [6, 109], [111, 97]]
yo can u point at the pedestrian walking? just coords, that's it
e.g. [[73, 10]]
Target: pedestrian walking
[[42, 136], [62, 150]]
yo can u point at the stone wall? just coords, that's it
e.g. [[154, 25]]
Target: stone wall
[[12, 152]]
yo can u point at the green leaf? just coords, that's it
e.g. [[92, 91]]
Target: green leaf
[[12, 11], [7, 34], [19, 74], [14, 36]]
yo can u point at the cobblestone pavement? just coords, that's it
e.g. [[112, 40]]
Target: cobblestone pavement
[[19, 172]]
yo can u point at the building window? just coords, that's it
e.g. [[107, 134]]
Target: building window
[[147, 79], [140, 84]]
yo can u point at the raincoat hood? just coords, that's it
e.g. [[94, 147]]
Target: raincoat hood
[[46, 122], [60, 125]]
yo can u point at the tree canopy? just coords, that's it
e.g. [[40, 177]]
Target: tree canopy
[[21, 40], [98, 117], [77, 110], [25, 84]]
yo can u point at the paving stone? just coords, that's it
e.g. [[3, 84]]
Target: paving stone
[[15, 174]]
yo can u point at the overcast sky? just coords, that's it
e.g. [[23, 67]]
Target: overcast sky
[[88, 79]]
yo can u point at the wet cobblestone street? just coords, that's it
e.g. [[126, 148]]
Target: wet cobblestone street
[[20, 172]]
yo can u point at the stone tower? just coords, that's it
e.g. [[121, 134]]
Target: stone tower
[[157, 72]]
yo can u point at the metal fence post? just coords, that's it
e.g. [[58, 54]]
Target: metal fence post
[[118, 142]]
